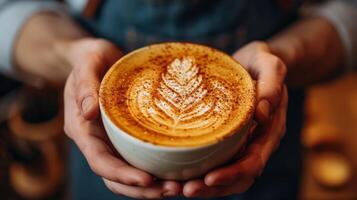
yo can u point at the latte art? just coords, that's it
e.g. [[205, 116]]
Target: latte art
[[181, 101], [178, 94]]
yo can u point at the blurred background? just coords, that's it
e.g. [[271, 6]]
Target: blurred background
[[33, 146]]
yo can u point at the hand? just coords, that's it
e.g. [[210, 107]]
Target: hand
[[272, 99], [90, 59]]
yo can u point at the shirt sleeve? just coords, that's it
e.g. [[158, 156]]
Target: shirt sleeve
[[13, 15], [343, 15]]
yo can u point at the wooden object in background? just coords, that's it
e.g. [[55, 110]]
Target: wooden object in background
[[35, 126], [330, 136], [331, 169]]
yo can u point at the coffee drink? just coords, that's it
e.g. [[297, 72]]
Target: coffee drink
[[177, 110], [178, 94]]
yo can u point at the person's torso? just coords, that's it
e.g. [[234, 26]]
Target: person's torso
[[224, 24]]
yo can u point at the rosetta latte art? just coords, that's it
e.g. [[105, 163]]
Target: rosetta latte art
[[179, 100]]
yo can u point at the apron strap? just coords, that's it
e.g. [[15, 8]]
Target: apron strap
[[90, 8]]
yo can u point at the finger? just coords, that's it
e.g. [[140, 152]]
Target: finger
[[157, 191], [87, 86], [101, 160], [238, 187], [270, 139], [88, 69], [92, 141], [271, 73], [197, 188], [257, 154], [269, 136], [250, 166]]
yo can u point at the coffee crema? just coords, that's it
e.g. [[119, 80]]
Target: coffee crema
[[178, 94]]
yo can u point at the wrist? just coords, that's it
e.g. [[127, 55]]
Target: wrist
[[40, 38], [312, 55]]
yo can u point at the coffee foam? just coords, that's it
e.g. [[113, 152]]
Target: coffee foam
[[178, 95], [182, 103]]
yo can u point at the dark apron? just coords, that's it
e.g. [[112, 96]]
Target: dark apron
[[223, 24]]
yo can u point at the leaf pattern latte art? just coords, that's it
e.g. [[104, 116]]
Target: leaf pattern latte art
[[179, 100]]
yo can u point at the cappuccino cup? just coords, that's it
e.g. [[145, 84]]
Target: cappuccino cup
[[177, 110]]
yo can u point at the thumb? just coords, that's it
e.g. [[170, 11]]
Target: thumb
[[269, 72], [87, 83], [88, 69]]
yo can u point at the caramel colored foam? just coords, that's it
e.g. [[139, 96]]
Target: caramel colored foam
[[178, 94]]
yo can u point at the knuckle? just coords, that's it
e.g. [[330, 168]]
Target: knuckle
[[274, 60], [94, 58], [124, 178], [93, 167], [258, 44], [101, 42], [255, 43], [276, 64], [67, 130], [101, 46]]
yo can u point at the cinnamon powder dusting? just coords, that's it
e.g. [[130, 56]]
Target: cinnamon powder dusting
[[178, 94]]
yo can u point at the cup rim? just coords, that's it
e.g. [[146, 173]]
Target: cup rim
[[150, 145]]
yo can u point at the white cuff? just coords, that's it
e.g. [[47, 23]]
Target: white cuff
[[13, 15], [343, 15]]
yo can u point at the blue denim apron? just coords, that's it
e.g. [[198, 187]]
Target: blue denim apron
[[223, 24]]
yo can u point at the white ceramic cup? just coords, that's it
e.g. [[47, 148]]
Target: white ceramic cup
[[174, 163], [169, 162]]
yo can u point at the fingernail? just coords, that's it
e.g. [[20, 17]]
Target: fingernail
[[264, 108], [87, 104]]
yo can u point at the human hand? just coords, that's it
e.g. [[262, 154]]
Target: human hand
[[272, 99], [90, 59]]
